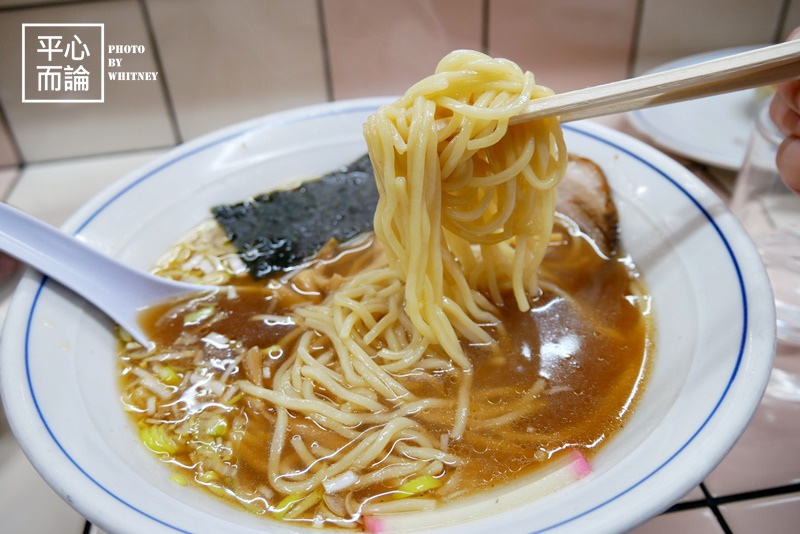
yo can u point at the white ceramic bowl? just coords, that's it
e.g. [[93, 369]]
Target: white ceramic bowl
[[713, 308]]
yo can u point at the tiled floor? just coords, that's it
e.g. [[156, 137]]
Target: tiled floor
[[755, 489]]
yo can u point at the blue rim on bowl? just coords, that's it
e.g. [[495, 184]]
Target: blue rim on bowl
[[715, 327]]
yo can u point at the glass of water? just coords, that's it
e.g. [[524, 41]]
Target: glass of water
[[770, 212]]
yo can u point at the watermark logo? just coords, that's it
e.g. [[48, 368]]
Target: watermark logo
[[63, 63]]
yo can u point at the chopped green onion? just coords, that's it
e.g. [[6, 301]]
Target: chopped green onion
[[293, 505], [219, 428], [156, 439], [208, 476], [273, 352], [252, 506], [124, 335], [233, 400], [168, 375], [285, 504], [418, 485], [217, 490], [199, 315], [179, 480]]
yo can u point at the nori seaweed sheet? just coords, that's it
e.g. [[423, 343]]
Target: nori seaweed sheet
[[279, 230]]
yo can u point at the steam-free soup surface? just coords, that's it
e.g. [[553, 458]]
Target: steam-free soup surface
[[572, 365]]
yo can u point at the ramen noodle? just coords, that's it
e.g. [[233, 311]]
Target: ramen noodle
[[464, 343]]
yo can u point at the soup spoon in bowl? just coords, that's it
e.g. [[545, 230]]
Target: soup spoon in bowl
[[121, 292]]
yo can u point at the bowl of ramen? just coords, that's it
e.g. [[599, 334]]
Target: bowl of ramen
[[541, 328]]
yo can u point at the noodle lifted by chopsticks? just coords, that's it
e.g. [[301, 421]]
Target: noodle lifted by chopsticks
[[465, 214]]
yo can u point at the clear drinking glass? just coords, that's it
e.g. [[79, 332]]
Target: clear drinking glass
[[770, 212]]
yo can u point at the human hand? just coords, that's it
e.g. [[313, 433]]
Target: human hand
[[785, 113]]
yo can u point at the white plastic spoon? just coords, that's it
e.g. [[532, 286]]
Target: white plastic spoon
[[116, 289]]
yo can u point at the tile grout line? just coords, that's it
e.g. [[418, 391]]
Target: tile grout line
[[14, 183], [326, 50], [708, 501], [756, 494], [151, 35], [712, 504], [52, 3], [780, 24], [79, 157], [15, 146], [686, 505], [485, 14], [633, 48]]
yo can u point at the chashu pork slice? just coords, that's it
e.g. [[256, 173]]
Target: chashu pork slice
[[584, 196]]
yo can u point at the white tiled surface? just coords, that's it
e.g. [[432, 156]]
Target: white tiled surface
[[767, 455], [22, 487], [371, 54], [775, 515], [222, 62], [699, 521], [28, 3], [134, 115], [677, 28], [70, 184], [226, 65], [8, 176], [8, 155], [695, 495], [597, 43]]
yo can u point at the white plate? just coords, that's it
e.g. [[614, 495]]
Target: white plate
[[713, 130], [714, 317]]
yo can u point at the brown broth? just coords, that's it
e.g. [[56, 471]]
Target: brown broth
[[590, 341]]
